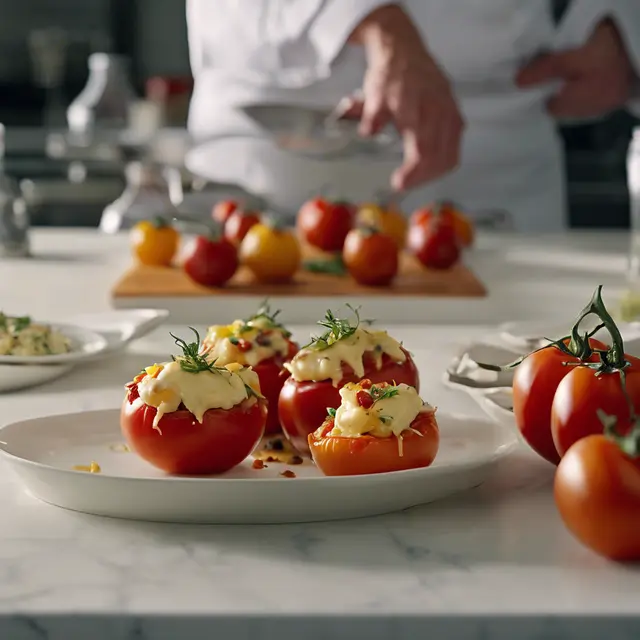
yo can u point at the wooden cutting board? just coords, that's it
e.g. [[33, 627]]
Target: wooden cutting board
[[413, 280]]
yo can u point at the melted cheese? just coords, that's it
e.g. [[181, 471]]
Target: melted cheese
[[30, 339], [386, 417], [316, 364], [265, 339], [199, 392]]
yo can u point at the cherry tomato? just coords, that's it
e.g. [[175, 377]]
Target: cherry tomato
[[185, 446], [154, 242], [535, 382], [597, 493], [272, 375], [222, 210], [302, 406], [579, 396], [211, 261], [271, 253], [341, 456], [435, 244], [324, 224], [371, 257], [238, 224], [389, 221], [462, 225]]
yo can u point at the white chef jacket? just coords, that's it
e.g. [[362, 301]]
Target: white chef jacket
[[295, 52]]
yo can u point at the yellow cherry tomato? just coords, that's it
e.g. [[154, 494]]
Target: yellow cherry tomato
[[154, 242], [271, 253], [389, 221]]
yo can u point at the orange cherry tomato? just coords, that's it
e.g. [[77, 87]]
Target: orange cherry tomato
[[238, 224], [462, 225], [535, 382], [579, 395], [343, 456], [183, 445], [271, 253], [371, 257], [154, 242], [597, 493], [324, 224], [223, 210], [389, 221]]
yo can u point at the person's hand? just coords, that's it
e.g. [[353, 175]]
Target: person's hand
[[404, 85], [597, 77]]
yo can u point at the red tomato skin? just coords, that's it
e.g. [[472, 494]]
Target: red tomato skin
[[578, 397], [211, 263], [340, 456], [597, 493], [324, 224], [238, 224], [535, 382], [223, 210], [184, 446], [272, 375], [434, 245], [302, 406], [371, 258]]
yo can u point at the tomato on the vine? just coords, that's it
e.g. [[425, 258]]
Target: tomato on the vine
[[597, 492], [535, 382], [325, 224], [371, 257]]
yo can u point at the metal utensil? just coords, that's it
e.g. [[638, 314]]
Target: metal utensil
[[319, 133]]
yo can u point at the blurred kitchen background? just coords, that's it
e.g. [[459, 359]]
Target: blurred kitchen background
[[47, 47]]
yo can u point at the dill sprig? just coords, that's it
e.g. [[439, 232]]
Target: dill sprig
[[383, 393], [336, 329], [192, 360], [264, 313]]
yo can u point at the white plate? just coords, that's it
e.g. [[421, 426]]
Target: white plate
[[44, 451], [498, 405], [530, 335], [84, 345], [21, 376]]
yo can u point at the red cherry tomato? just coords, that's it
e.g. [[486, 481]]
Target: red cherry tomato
[[211, 261], [324, 224], [302, 406], [272, 375], [579, 395], [185, 446], [238, 224], [341, 456], [434, 244], [462, 225], [222, 210], [597, 492], [371, 257]]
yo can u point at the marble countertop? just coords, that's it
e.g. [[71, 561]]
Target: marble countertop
[[443, 569]]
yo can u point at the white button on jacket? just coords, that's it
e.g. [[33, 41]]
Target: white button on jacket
[[294, 51]]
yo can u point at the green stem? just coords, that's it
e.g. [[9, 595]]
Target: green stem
[[629, 443]]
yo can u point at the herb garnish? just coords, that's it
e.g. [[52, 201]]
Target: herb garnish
[[264, 313], [331, 412], [336, 329], [382, 393], [192, 361]]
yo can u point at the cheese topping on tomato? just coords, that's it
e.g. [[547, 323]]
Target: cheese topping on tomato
[[167, 386], [323, 361], [247, 342], [380, 411]]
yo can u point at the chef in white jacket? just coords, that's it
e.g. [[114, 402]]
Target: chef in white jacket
[[475, 87]]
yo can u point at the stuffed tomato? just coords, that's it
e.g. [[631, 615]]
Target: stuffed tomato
[[260, 342], [377, 428], [346, 352], [192, 417]]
